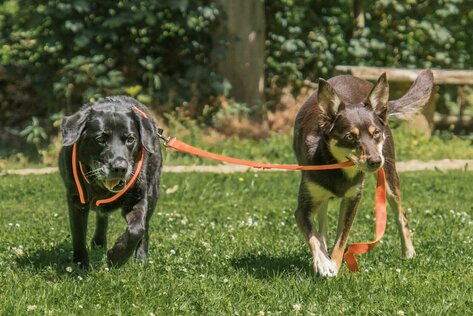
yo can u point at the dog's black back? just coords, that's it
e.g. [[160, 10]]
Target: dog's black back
[[111, 136]]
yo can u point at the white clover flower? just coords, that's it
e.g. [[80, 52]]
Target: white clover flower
[[296, 307], [31, 308], [69, 269], [18, 251]]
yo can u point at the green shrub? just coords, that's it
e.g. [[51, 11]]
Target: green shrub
[[75, 52], [308, 38], [56, 54]]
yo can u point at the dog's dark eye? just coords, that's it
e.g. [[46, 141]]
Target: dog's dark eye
[[376, 133], [101, 139], [130, 140], [349, 137]]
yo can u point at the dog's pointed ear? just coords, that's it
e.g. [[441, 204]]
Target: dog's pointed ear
[[148, 130], [72, 126], [414, 100], [378, 97], [328, 101]]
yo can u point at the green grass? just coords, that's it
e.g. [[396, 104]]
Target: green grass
[[228, 244]]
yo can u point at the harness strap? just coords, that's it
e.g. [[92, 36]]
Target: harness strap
[[112, 198], [76, 176]]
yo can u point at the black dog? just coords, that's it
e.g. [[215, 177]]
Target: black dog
[[347, 118], [111, 158]]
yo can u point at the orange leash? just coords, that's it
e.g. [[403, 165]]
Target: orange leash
[[381, 218], [180, 146], [353, 249]]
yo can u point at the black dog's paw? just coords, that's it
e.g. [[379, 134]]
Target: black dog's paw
[[115, 258], [82, 263], [141, 254], [98, 243]]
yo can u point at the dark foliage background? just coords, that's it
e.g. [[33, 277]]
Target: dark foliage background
[[56, 55]]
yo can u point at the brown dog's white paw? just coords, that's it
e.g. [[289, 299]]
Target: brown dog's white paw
[[324, 267], [409, 253]]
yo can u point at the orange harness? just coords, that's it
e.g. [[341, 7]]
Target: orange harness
[[110, 199], [353, 249], [122, 191]]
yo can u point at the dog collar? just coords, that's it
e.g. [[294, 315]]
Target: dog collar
[[110, 199]]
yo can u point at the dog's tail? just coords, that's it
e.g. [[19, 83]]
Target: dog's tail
[[414, 100]]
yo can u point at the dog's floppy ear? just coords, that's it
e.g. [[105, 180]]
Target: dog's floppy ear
[[148, 132], [327, 100], [378, 97], [72, 126]]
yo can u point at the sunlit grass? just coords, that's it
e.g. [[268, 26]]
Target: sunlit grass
[[228, 244]]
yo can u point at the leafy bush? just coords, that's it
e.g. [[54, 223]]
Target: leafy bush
[[75, 52], [57, 54], [307, 38]]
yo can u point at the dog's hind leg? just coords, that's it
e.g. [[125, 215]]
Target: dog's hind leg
[[348, 208], [394, 199], [306, 207], [100, 235]]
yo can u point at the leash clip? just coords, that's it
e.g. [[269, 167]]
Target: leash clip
[[166, 139]]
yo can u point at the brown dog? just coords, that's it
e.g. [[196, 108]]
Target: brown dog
[[346, 118]]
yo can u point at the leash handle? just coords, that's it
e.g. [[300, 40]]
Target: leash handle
[[381, 219]]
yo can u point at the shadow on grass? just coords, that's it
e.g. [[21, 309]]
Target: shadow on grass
[[264, 266], [58, 259]]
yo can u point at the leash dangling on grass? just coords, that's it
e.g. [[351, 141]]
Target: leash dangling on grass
[[353, 249]]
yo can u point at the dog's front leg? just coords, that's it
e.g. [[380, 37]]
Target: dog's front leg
[[141, 252], [348, 208], [100, 235], [306, 208], [78, 215], [128, 241]]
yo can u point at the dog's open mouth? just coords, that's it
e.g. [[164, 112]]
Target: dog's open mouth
[[354, 159], [114, 185]]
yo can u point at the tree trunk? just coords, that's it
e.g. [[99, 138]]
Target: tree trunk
[[359, 17], [242, 62]]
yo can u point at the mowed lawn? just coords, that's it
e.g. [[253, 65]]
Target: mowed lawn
[[228, 245]]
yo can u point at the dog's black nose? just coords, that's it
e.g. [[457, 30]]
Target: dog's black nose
[[119, 167], [374, 162]]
